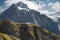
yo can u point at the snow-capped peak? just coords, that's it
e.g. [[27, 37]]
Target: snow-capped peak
[[22, 6]]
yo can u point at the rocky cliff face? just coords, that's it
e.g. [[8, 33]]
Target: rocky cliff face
[[24, 31], [21, 13]]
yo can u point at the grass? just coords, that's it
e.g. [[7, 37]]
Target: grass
[[5, 36]]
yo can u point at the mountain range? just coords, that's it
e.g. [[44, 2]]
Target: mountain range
[[22, 14]]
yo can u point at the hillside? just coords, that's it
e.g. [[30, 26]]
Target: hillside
[[7, 37], [24, 31]]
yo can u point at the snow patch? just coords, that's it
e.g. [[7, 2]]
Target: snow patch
[[23, 8], [34, 19]]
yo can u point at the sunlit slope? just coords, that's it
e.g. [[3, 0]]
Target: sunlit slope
[[7, 37], [24, 31]]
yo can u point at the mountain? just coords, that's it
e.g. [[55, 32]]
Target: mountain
[[24, 31], [21, 13]]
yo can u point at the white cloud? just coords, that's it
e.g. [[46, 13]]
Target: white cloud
[[34, 5], [46, 12], [31, 4], [56, 6], [50, 4], [10, 2]]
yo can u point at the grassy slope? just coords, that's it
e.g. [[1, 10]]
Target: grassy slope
[[15, 27]]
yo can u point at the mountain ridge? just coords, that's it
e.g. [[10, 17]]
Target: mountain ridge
[[15, 15]]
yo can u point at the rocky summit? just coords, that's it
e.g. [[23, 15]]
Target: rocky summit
[[24, 31]]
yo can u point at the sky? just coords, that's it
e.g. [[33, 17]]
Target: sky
[[51, 8]]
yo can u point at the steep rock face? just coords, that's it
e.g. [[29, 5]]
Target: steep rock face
[[25, 31], [21, 13], [58, 21]]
